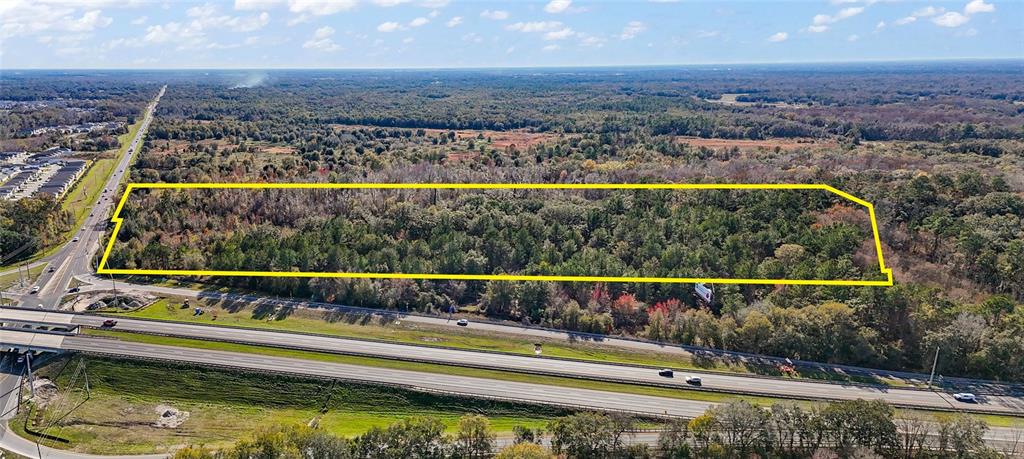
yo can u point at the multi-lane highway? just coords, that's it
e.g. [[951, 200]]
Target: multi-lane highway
[[420, 381], [788, 388], [76, 257]]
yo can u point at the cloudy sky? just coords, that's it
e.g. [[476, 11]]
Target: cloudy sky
[[452, 33]]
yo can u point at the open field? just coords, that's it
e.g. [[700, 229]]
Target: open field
[[7, 281], [365, 327], [120, 414]]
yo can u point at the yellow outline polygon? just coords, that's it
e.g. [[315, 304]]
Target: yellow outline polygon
[[492, 277]]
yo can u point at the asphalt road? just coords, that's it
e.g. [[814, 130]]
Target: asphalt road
[[534, 365], [76, 257]]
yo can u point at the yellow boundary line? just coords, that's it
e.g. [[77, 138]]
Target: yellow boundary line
[[503, 186]]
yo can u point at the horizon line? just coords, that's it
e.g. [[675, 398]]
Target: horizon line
[[541, 67]]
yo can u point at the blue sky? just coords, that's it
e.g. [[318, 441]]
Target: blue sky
[[440, 33]]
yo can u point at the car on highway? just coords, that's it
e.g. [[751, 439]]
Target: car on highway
[[693, 381], [51, 269], [74, 290], [109, 323], [462, 322], [35, 289], [666, 373], [965, 397], [75, 239]]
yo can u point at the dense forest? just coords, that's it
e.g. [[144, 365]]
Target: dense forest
[[843, 429], [947, 186], [938, 149], [633, 233]]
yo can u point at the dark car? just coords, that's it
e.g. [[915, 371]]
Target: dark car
[[666, 373], [74, 290], [109, 323]]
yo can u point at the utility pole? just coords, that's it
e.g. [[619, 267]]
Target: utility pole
[[112, 281], [934, 363]]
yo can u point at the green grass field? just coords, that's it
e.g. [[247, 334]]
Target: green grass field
[[11, 279], [362, 326], [119, 414], [685, 394]]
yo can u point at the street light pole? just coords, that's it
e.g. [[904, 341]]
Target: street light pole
[[934, 363]]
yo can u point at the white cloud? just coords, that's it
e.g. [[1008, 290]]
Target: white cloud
[[473, 37], [632, 29], [853, 38], [823, 19], [497, 15], [707, 33], [536, 26], [591, 41], [979, 6], [322, 40], [781, 36], [453, 22], [510, 50], [904, 21], [928, 11], [408, 40], [560, 34], [89, 21], [557, 6], [257, 4], [139, 20], [389, 3], [434, 3], [420, 21], [207, 17], [951, 19], [389, 26], [550, 48], [433, 14], [19, 17], [817, 28], [320, 7]]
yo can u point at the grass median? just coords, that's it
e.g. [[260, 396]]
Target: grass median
[[361, 325], [676, 393]]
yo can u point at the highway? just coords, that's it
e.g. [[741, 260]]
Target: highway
[[786, 388], [76, 257], [419, 381], [531, 332]]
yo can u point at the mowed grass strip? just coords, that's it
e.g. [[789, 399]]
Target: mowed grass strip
[[682, 393], [225, 405], [364, 326], [11, 279]]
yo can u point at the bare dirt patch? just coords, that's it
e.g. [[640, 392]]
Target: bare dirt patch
[[742, 144], [170, 417]]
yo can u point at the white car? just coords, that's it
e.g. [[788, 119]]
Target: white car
[[965, 397], [462, 322], [693, 381], [74, 239]]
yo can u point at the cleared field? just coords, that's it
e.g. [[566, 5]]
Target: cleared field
[[120, 415]]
